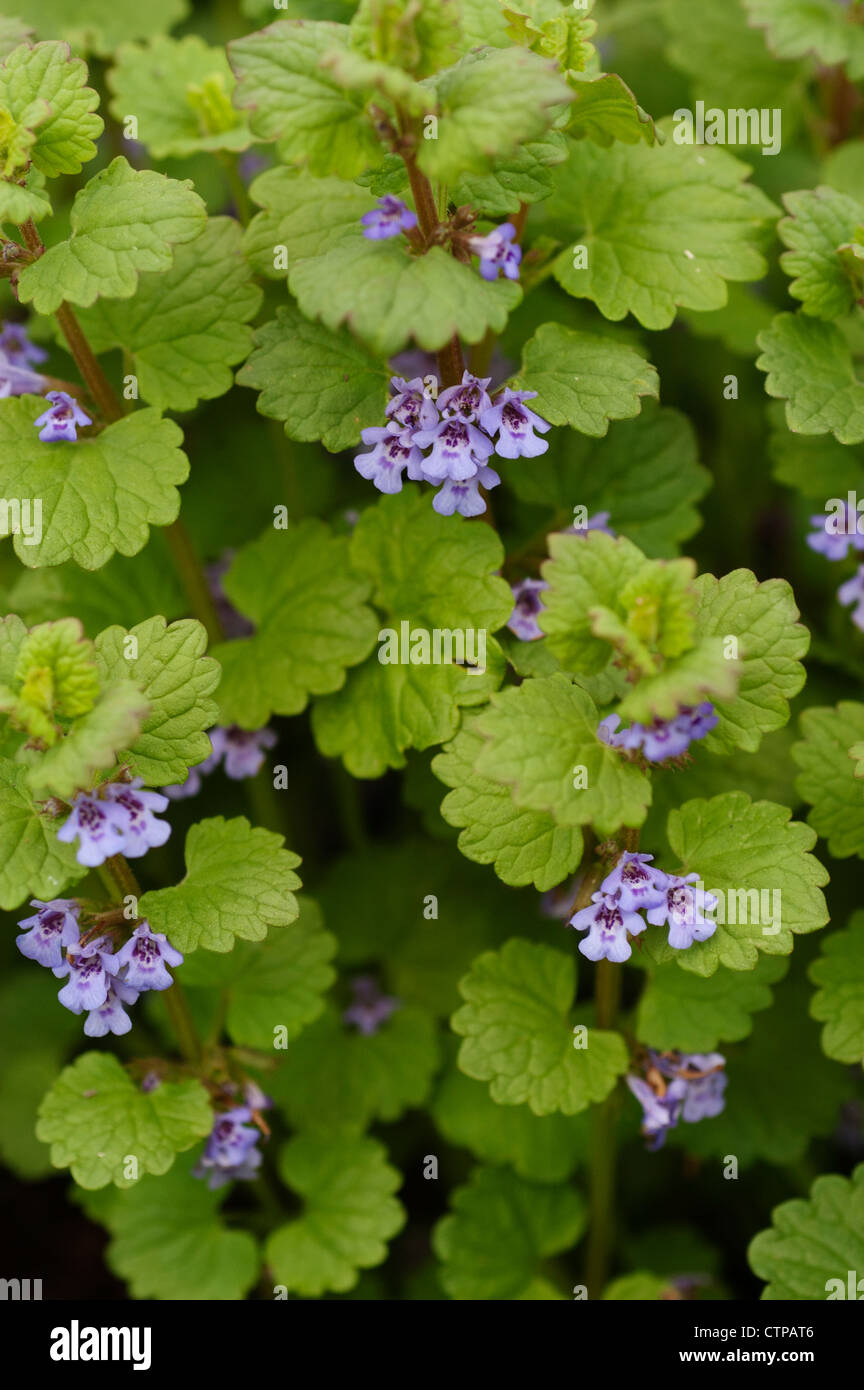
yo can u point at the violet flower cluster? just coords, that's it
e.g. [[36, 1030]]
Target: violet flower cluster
[[18, 358], [498, 251], [665, 738], [370, 1006], [240, 751], [636, 886], [99, 981], [834, 535], [231, 1149], [678, 1086], [461, 429], [117, 818]]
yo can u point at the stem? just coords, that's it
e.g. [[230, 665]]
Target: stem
[[601, 1175], [121, 883], [237, 188], [451, 364], [193, 579]]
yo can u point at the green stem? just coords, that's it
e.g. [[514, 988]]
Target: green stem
[[601, 1176], [121, 883], [193, 579], [237, 188]]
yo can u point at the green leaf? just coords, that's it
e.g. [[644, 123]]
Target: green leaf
[[584, 379], [302, 216], [18, 202], [821, 220], [585, 573], [124, 221], [813, 1242], [538, 735], [801, 28], [816, 466], [180, 91], [501, 1230], [809, 365], [728, 62], [239, 881], [605, 110], [32, 860], [524, 846], [185, 327], [310, 619], [663, 227], [47, 74], [771, 645], [35, 1037], [337, 1080], [432, 573], [738, 846], [388, 296], [168, 1241], [639, 1287], [541, 1148], [323, 385], [420, 39], [95, 1118], [274, 984], [292, 98], [100, 494], [644, 472], [690, 1013], [177, 679], [12, 33], [491, 102], [518, 1036], [527, 176], [839, 1004], [349, 1214], [828, 781], [100, 26], [91, 744]]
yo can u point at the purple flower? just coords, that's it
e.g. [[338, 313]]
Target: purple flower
[[527, 605], [111, 1017], [607, 924], [150, 1081], [54, 926], [635, 885], [388, 459], [19, 381], [370, 1007], [705, 1094], [100, 827], [834, 534], [515, 424], [243, 750], [466, 402], [684, 909], [497, 251], [391, 217], [465, 498], [88, 971], [598, 522], [660, 1112], [63, 418], [142, 830], [146, 956], [230, 1151], [16, 347], [410, 409], [458, 450], [853, 592], [192, 786], [665, 738]]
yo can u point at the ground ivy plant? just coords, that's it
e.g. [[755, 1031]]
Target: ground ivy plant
[[410, 869]]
